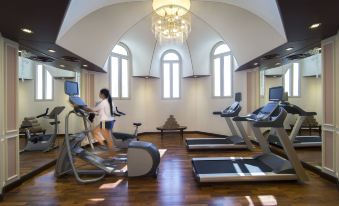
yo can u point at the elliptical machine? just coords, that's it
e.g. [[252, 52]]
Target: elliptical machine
[[45, 142], [122, 140], [142, 159]]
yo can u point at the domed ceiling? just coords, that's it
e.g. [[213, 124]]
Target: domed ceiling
[[250, 28]]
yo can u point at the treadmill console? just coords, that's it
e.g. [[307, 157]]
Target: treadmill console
[[231, 108], [266, 112]]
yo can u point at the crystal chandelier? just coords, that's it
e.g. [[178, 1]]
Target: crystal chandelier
[[171, 20]]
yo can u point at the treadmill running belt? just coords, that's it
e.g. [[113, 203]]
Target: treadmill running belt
[[307, 139], [299, 139], [230, 166], [208, 141]]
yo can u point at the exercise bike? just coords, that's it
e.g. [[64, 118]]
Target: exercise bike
[[122, 140], [45, 142]]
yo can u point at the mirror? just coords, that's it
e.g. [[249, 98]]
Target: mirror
[[301, 79], [42, 109]]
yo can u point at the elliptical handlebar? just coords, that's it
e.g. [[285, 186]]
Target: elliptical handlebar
[[44, 114], [118, 113]]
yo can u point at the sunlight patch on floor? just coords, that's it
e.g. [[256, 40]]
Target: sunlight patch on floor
[[110, 185]]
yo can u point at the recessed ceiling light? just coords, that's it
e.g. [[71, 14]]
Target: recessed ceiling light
[[61, 65], [278, 63], [85, 65], [19, 51], [255, 63], [146, 77], [28, 31], [289, 48], [51, 50], [314, 26]]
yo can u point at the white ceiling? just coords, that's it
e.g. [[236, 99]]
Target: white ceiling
[[250, 28]]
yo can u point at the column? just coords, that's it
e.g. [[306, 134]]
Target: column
[[253, 96], [9, 130]]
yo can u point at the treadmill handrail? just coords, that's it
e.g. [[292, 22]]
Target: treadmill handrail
[[294, 109]]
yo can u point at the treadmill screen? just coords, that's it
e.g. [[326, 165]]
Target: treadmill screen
[[276, 93], [269, 108], [71, 88]]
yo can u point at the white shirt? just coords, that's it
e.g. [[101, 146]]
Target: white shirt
[[104, 110]]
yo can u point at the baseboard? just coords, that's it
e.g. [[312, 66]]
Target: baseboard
[[28, 176], [185, 132]]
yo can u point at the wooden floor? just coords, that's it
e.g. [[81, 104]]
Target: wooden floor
[[175, 185], [33, 160]]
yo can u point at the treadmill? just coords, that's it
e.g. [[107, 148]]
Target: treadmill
[[297, 141], [263, 167], [231, 142]]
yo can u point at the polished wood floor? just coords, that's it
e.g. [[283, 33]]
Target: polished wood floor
[[175, 185], [33, 160]]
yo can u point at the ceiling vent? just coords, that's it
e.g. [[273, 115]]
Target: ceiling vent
[[42, 58], [70, 59], [297, 56], [269, 56]]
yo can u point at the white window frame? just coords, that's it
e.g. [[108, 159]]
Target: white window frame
[[262, 83], [171, 62], [129, 66], [291, 80], [78, 80], [222, 82], [44, 80]]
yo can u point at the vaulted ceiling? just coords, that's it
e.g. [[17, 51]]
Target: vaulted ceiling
[[84, 31]]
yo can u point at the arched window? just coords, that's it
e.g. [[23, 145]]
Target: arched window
[[119, 64], [171, 66], [223, 64]]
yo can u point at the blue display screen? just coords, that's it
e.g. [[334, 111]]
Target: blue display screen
[[71, 88], [276, 93]]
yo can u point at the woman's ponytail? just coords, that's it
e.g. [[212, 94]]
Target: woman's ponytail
[[106, 93]]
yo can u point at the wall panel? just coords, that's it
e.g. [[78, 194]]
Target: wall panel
[[11, 130], [329, 106], [11, 87], [2, 116]]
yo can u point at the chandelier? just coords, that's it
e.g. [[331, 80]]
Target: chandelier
[[171, 20]]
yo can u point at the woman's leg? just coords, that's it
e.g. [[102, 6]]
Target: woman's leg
[[96, 135], [107, 135]]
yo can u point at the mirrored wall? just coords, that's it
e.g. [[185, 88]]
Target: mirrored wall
[[302, 82], [42, 109]]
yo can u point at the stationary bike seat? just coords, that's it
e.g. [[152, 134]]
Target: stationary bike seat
[[123, 136], [137, 124]]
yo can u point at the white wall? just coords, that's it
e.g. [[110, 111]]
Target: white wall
[[193, 110], [28, 106]]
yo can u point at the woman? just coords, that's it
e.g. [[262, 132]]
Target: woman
[[106, 115]]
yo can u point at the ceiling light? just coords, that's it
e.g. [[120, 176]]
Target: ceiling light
[[171, 20], [314, 26], [289, 48], [19, 51], [51, 50], [28, 31], [278, 63], [85, 65], [255, 63], [171, 8], [61, 65]]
